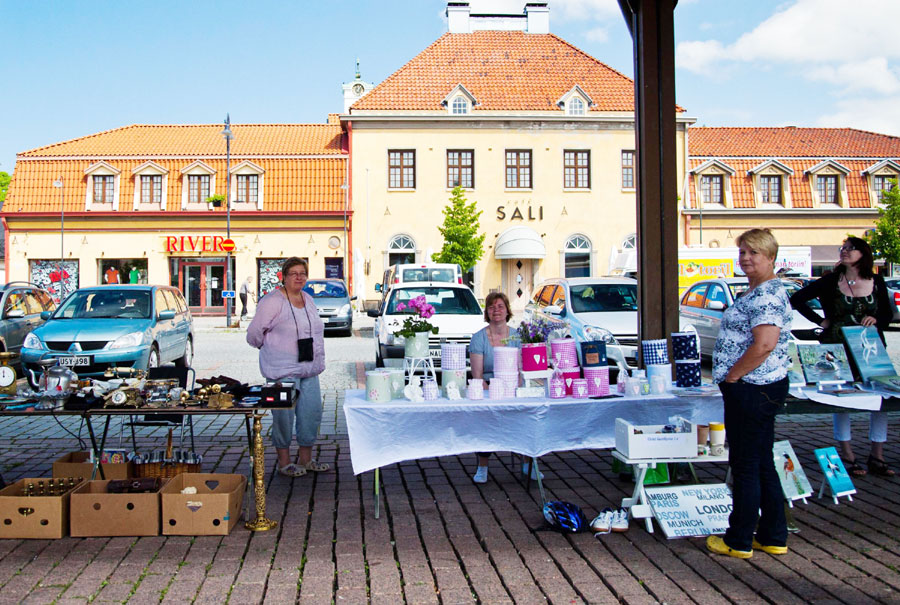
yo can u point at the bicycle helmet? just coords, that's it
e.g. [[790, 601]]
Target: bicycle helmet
[[565, 517]]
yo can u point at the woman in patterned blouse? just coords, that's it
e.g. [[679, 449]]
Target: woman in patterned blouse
[[750, 364]]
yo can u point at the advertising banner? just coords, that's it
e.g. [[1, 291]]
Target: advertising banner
[[691, 510]]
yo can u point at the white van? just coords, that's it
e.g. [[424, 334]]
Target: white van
[[419, 272]]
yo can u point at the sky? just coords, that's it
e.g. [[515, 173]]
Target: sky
[[76, 67]]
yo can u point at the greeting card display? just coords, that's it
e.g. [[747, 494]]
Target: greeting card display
[[837, 480], [794, 482], [825, 363], [867, 353], [795, 370]]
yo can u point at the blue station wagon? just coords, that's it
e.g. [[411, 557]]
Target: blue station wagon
[[118, 325]]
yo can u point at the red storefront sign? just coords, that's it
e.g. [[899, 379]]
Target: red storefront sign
[[196, 243]]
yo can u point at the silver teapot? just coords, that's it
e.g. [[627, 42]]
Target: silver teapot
[[55, 378]]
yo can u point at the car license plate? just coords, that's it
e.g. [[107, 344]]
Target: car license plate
[[434, 352], [75, 361]]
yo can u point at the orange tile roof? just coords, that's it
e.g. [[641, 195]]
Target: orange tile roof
[[799, 183], [200, 140], [504, 70], [791, 141]]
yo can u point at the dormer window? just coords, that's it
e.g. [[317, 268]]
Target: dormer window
[[459, 102], [829, 183], [881, 177], [711, 189], [770, 188], [198, 183], [102, 187], [247, 186], [713, 183], [198, 188], [575, 107], [770, 184], [150, 184], [882, 183]]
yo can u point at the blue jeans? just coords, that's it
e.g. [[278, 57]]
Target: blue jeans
[[750, 411], [305, 417]]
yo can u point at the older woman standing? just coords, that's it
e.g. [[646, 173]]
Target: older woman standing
[[852, 295], [290, 337], [750, 364]]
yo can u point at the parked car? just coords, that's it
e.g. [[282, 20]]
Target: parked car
[[22, 304], [893, 285], [417, 273], [98, 327], [457, 314], [593, 308], [703, 304], [333, 302]]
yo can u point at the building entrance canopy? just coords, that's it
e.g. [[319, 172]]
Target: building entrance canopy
[[519, 242]]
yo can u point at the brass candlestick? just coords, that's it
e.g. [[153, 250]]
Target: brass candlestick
[[260, 523]]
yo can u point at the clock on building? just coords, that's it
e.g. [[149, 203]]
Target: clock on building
[[358, 89]]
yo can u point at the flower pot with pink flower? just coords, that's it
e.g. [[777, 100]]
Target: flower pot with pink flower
[[533, 334], [416, 328]]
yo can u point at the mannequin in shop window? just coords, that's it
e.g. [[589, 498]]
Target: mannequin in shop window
[[111, 275]]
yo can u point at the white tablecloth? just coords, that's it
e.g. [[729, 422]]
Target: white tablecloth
[[386, 433]]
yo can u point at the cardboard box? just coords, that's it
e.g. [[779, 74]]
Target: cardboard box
[[649, 443], [213, 510], [77, 464], [43, 517], [95, 512]]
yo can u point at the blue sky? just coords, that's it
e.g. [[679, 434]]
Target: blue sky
[[76, 67]]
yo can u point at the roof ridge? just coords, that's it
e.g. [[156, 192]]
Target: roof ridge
[[588, 55], [84, 137]]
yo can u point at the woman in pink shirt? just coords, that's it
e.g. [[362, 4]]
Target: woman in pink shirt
[[290, 337]]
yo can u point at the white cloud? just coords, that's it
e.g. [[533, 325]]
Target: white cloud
[[870, 75], [598, 34], [699, 56], [865, 113], [592, 10]]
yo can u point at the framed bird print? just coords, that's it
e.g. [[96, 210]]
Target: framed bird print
[[794, 483], [869, 357], [825, 363]]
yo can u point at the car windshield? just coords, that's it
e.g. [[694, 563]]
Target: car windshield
[[446, 301], [893, 283], [426, 274], [593, 298], [792, 287], [105, 304], [325, 289]]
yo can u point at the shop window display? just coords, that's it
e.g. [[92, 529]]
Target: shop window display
[[57, 277], [269, 270], [123, 271]]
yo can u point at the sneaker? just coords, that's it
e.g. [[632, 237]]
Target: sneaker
[[602, 523], [481, 475], [534, 471], [717, 545], [620, 520], [772, 550]]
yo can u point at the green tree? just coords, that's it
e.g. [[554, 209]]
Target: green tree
[[885, 237], [463, 244], [4, 185]]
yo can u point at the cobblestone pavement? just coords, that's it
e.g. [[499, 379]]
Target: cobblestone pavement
[[441, 538]]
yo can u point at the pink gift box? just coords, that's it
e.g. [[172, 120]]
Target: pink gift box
[[569, 376], [563, 353], [597, 380], [534, 356], [557, 388], [579, 388]]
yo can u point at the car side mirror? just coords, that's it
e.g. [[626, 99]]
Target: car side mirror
[[378, 287], [167, 314], [373, 313], [553, 310], [45, 315], [354, 297], [13, 313], [716, 305]]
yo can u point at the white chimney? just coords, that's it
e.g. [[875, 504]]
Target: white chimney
[[538, 18], [458, 17]]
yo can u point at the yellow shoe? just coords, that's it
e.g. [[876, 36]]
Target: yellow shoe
[[772, 550], [717, 545]]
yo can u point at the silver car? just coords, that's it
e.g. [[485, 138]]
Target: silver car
[[333, 302], [893, 286], [704, 303], [593, 308]]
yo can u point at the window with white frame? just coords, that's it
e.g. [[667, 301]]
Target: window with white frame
[[247, 188], [628, 169], [459, 106], [460, 168], [401, 250], [151, 189], [578, 256], [826, 188], [770, 188], [198, 188], [576, 169], [402, 169], [882, 183], [711, 188], [575, 106], [104, 188], [518, 169]]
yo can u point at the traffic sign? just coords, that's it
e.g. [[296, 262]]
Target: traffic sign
[[227, 293], [228, 246]]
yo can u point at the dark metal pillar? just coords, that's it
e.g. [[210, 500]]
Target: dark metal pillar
[[652, 27]]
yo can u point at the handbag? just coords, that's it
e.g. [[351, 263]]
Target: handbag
[[304, 345]]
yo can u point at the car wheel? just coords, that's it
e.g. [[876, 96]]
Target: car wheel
[[187, 359], [153, 358], [349, 331]]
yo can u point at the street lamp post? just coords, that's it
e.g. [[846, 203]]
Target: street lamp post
[[59, 184], [228, 138], [346, 188]]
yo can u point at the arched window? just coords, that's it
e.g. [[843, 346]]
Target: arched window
[[401, 250], [630, 242], [578, 256], [575, 107], [460, 106]]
